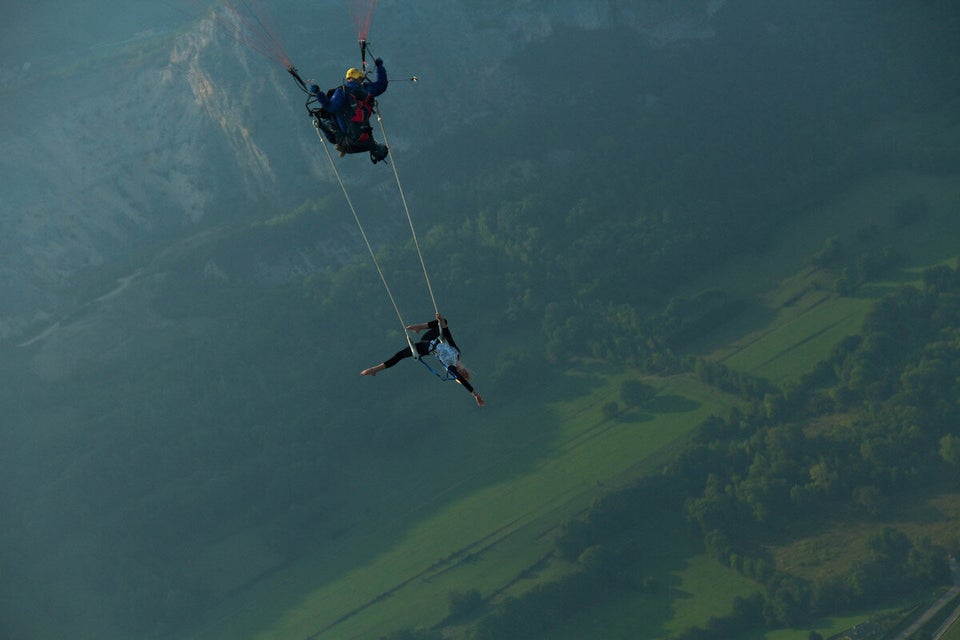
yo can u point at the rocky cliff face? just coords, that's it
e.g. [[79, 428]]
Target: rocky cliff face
[[99, 160], [108, 148]]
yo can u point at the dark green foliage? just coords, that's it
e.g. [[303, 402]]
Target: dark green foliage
[[572, 538], [832, 253], [602, 570], [843, 285], [684, 320], [854, 269], [636, 393], [719, 375], [896, 565], [950, 450], [464, 604], [867, 232], [911, 211], [610, 409], [541, 608], [594, 538], [516, 369], [615, 567], [747, 615], [872, 263]]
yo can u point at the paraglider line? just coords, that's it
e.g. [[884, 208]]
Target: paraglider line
[[249, 25], [366, 240], [406, 208], [362, 13], [269, 29]]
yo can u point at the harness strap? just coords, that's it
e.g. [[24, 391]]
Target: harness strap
[[446, 377]]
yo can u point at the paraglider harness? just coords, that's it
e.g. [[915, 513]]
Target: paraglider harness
[[359, 108], [438, 348], [350, 128]]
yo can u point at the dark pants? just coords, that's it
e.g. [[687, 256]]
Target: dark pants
[[422, 347], [377, 151], [346, 144], [343, 142]]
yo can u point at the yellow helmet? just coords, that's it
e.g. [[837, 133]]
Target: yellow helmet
[[354, 74]]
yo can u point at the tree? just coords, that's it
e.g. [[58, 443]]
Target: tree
[[610, 410], [910, 211], [636, 393], [830, 254], [573, 537], [824, 477], [950, 449], [464, 604]]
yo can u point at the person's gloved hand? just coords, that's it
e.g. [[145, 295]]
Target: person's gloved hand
[[378, 62], [314, 88]]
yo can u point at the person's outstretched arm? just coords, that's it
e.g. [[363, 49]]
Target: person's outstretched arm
[[379, 85], [466, 385]]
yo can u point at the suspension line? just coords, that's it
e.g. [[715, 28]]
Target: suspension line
[[363, 234], [406, 209]]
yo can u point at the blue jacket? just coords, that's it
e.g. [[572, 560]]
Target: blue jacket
[[336, 103]]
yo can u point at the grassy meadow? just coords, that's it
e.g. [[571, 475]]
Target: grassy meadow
[[953, 633]]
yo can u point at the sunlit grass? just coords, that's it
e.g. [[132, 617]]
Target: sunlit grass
[[793, 346], [953, 633]]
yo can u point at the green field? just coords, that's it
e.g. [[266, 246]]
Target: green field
[[953, 633], [800, 336]]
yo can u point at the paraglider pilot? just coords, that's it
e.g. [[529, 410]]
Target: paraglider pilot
[[346, 111], [431, 343]]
